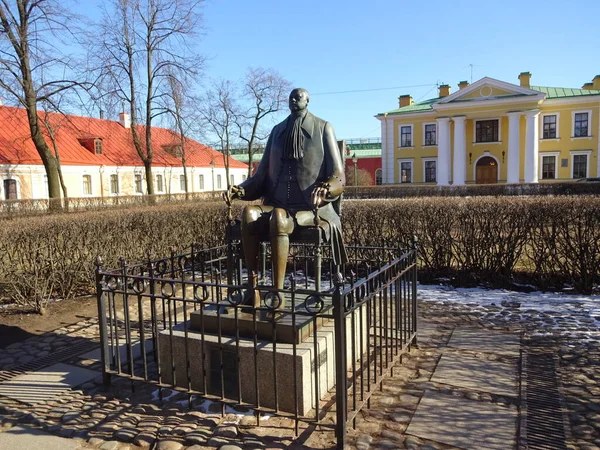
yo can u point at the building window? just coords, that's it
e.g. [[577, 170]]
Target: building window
[[406, 136], [486, 131], [98, 146], [10, 189], [430, 171], [114, 184], [581, 124], [548, 167], [243, 177], [378, 177], [405, 171], [218, 181], [580, 166], [430, 134], [138, 184], [159, 183], [182, 183], [549, 127], [87, 185], [231, 182], [201, 182]]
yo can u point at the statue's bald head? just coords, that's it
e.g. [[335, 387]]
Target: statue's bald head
[[298, 100]]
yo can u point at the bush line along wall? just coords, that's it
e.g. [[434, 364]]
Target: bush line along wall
[[546, 241]]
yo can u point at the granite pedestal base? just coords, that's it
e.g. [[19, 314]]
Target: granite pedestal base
[[278, 387]]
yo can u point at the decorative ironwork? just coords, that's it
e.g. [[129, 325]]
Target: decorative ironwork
[[198, 297]]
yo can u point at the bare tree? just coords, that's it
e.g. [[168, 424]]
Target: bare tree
[[143, 44], [32, 68], [219, 111], [266, 92], [179, 108]]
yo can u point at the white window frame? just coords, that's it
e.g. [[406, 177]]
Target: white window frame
[[18, 185], [163, 182], [380, 170], [557, 126], [412, 169], [499, 141], [201, 182], [110, 175], [436, 134], [219, 182], [412, 135], [541, 164], [423, 161], [589, 113], [231, 179], [83, 193], [135, 191], [182, 182], [587, 153]]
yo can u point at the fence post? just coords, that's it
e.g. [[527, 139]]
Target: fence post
[[414, 258], [341, 397], [100, 297]]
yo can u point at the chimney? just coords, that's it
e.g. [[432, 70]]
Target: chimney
[[525, 78], [125, 120], [596, 82], [405, 100], [0, 101], [101, 114], [462, 84], [588, 86], [444, 90]]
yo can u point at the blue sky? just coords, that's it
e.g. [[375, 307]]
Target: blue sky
[[330, 46]]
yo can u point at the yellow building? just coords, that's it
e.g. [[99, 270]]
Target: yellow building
[[493, 132]]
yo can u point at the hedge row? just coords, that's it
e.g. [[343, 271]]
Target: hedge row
[[546, 241], [11, 209], [473, 190]]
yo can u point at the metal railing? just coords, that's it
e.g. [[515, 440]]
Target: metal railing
[[178, 323]]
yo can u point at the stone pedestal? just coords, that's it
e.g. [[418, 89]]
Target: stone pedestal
[[273, 362]]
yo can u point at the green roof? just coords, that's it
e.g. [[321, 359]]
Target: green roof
[[551, 93], [372, 152], [557, 92], [423, 106], [365, 153]]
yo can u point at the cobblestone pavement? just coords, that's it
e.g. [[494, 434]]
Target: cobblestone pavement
[[122, 419]]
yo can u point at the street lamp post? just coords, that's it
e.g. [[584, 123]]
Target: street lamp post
[[212, 168], [355, 161]]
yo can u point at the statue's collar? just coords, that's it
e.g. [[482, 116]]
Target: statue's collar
[[308, 124]]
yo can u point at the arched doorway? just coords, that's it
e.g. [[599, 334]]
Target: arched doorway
[[486, 171]]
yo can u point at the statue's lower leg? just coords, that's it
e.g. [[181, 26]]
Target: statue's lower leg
[[251, 247], [280, 247]]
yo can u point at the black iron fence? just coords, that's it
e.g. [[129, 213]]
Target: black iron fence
[[179, 323]]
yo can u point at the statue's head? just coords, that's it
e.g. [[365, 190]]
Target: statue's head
[[299, 99]]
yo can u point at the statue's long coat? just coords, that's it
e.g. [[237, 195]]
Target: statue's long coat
[[322, 161]]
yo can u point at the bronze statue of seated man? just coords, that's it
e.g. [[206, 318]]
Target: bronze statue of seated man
[[300, 179]]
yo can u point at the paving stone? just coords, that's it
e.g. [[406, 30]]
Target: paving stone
[[363, 442], [477, 374], [144, 439], [460, 422], [125, 434], [226, 431], [169, 444], [110, 445]]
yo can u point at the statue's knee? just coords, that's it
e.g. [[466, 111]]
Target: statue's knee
[[251, 214], [281, 222]]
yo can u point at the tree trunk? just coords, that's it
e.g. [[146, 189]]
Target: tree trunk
[[149, 181]]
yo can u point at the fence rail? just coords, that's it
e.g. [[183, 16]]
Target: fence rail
[[178, 322]]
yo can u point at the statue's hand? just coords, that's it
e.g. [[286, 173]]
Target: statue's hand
[[232, 193], [319, 195]]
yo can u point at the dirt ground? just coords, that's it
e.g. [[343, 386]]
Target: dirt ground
[[17, 325]]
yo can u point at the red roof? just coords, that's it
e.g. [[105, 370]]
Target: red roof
[[16, 146]]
